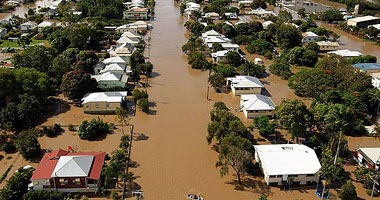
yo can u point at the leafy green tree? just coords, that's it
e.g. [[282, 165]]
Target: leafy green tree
[[73, 82], [313, 46], [116, 167], [329, 171], [234, 58], [91, 130], [124, 142], [362, 59], [136, 59], [217, 81], [281, 69], [220, 105], [288, 37], [331, 15], [251, 69], [233, 152], [143, 105], [260, 47], [37, 57], [139, 94], [348, 191], [294, 116], [59, 39], [145, 68], [86, 61], [27, 144], [17, 185], [285, 16], [301, 12], [372, 32], [265, 127], [24, 41], [225, 70], [198, 60], [43, 194], [311, 83]]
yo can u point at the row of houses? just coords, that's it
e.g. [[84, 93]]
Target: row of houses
[[135, 10]]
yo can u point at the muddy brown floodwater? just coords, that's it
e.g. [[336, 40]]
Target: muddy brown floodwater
[[23, 8]]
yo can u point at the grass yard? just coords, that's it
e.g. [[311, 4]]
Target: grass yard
[[7, 43]]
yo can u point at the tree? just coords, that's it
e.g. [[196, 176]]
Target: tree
[[23, 41], [139, 94], [301, 12], [329, 171], [27, 144], [331, 15], [86, 61], [348, 191], [251, 69], [143, 105], [43, 194], [116, 166], [265, 127], [37, 57], [362, 59], [136, 59], [234, 154], [234, 58], [198, 61], [73, 82], [17, 185], [294, 116], [122, 117], [288, 36], [313, 46], [285, 16], [281, 69], [260, 47], [372, 32], [124, 142], [90, 130], [217, 81]]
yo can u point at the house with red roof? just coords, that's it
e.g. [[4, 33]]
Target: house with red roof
[[64, 171]]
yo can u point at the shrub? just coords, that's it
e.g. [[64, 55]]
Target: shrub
[[369, 192], [27, 144], [282, 70], [143, 105], [8, 147], [90, 130], [5, 174], [348, 191], [71, 127]]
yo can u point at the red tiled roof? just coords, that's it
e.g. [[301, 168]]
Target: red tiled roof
[[50, 160]]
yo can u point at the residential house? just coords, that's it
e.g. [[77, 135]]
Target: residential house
[[220, 56], [111, 80], [103, 102], [246, 3], [363, 22], [3, 31], [131, 35], [12, 3], [376, 80], [27, 26], [133, 27], [309, 37], [229, 15], [116, 67], [245, 85], [117, 60], [256, 105], [368, 67], [266, 24], [136, 13], [325, 46], [230, 46], [124, 50], [368, 157], [128, 40], [212, 15], [44, 24], [346, 53], [63, 171], [284, 163]]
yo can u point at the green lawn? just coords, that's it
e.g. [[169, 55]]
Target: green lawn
[[7, 43]]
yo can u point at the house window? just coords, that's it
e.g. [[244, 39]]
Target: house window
[[35, 182], [96, 105], [272, 176], [279, 176], [62, 181], [107, 104], [309, 175], [86, 105], [77, 181]]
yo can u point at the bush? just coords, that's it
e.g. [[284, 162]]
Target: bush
[[369, 192], [90, 130], [348, 191], [137, 95], [48, 195], [281, 69], [51, 131], [8, 147], [5, 174], [27, 144], [260, 46], [71, 127], [143, 105]]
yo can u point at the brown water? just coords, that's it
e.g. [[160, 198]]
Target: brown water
[[23, 8], [348, 41]]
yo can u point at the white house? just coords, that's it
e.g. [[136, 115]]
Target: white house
[[103, 102], [125, 50], [44, 24], [27, 26], [266, 24], [309, 37], [131, 35], [368, 157], [281, 163], [220, 56], [115, 67], [325, 46], [229, 15], [376, 80], [256, 105], [126, 39], [230, 47], [346, 53], [245, 85], [212, 15], [3, 31], [246, 3], [363, 22]]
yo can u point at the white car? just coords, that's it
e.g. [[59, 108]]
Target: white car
[[258, 61]]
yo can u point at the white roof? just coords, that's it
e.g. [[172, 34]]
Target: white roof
[[113, 67], [219, 53], [257, 102], [211, 33], [287, 159], [372, 153], [328, 43], [45, 24], [108, 76], [29, 23], [129, 40], [346, 53], [130, 34], [363, 19], [267, 23], [245, 81], [73, 166], [111, 97], [310, 34], [376, 26], [230, 45], [117, 59]]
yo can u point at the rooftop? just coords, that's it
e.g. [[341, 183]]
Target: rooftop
[[287, 159], [371, 153], [257, 102], [346, 53], [367, 66], [245, 81], [104, 97], [363, 19]]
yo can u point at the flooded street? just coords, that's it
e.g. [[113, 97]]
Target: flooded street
[[348, 41], [23, 8]]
